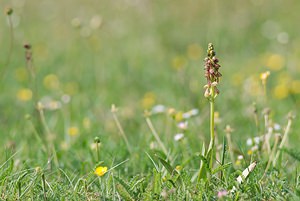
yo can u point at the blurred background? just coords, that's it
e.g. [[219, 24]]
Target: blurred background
[[138, 54]]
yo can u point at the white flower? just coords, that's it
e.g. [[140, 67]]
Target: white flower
[[158, 109], [257, 140], [277, 127], [249, 141], [186, 115], [178, 136], [183, 125], [189, 114], [49, 104], [194, 112]]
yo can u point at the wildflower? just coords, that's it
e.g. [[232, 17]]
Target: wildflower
[[275, 62], [281, 91], [190, 113], [178, 116], [211, 68], [239, 160], [295, 87], [194, 112], [24, 94], [222, 193], [100, 171], [158, 109], [50, 104], [73, 131], [277, 127], [249, 142], [148, 100], [186, 115], [252, 150], [171, 111], [53, 105], [264, 76], [183, 125], [178, 168], [51, 81], [178, 136]]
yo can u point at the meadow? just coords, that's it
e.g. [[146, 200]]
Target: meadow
[[116, 100]]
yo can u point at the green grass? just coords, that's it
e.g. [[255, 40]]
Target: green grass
[[144, 54]]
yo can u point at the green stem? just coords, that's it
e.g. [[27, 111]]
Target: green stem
[[98, 155], [212, 127]]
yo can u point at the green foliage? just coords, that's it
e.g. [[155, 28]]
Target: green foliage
[[295, 153], [123, 192], [56, 93]]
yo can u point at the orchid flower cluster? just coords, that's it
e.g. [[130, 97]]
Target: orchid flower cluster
[[212, 73]]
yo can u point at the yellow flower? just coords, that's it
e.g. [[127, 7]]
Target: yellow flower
[[178, 116], [295, 88], [148, 100], [238, 162], [281, 91], [178, 167], [250, 152], [264, 76], [275, 62], [51, 81], [73, 131], [24, 94], [100, 171]]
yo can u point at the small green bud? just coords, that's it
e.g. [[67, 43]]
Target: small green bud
[[97, 140]]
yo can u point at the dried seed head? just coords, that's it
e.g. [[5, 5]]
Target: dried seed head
[[8, 11], [228, 129], [27, 46]]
